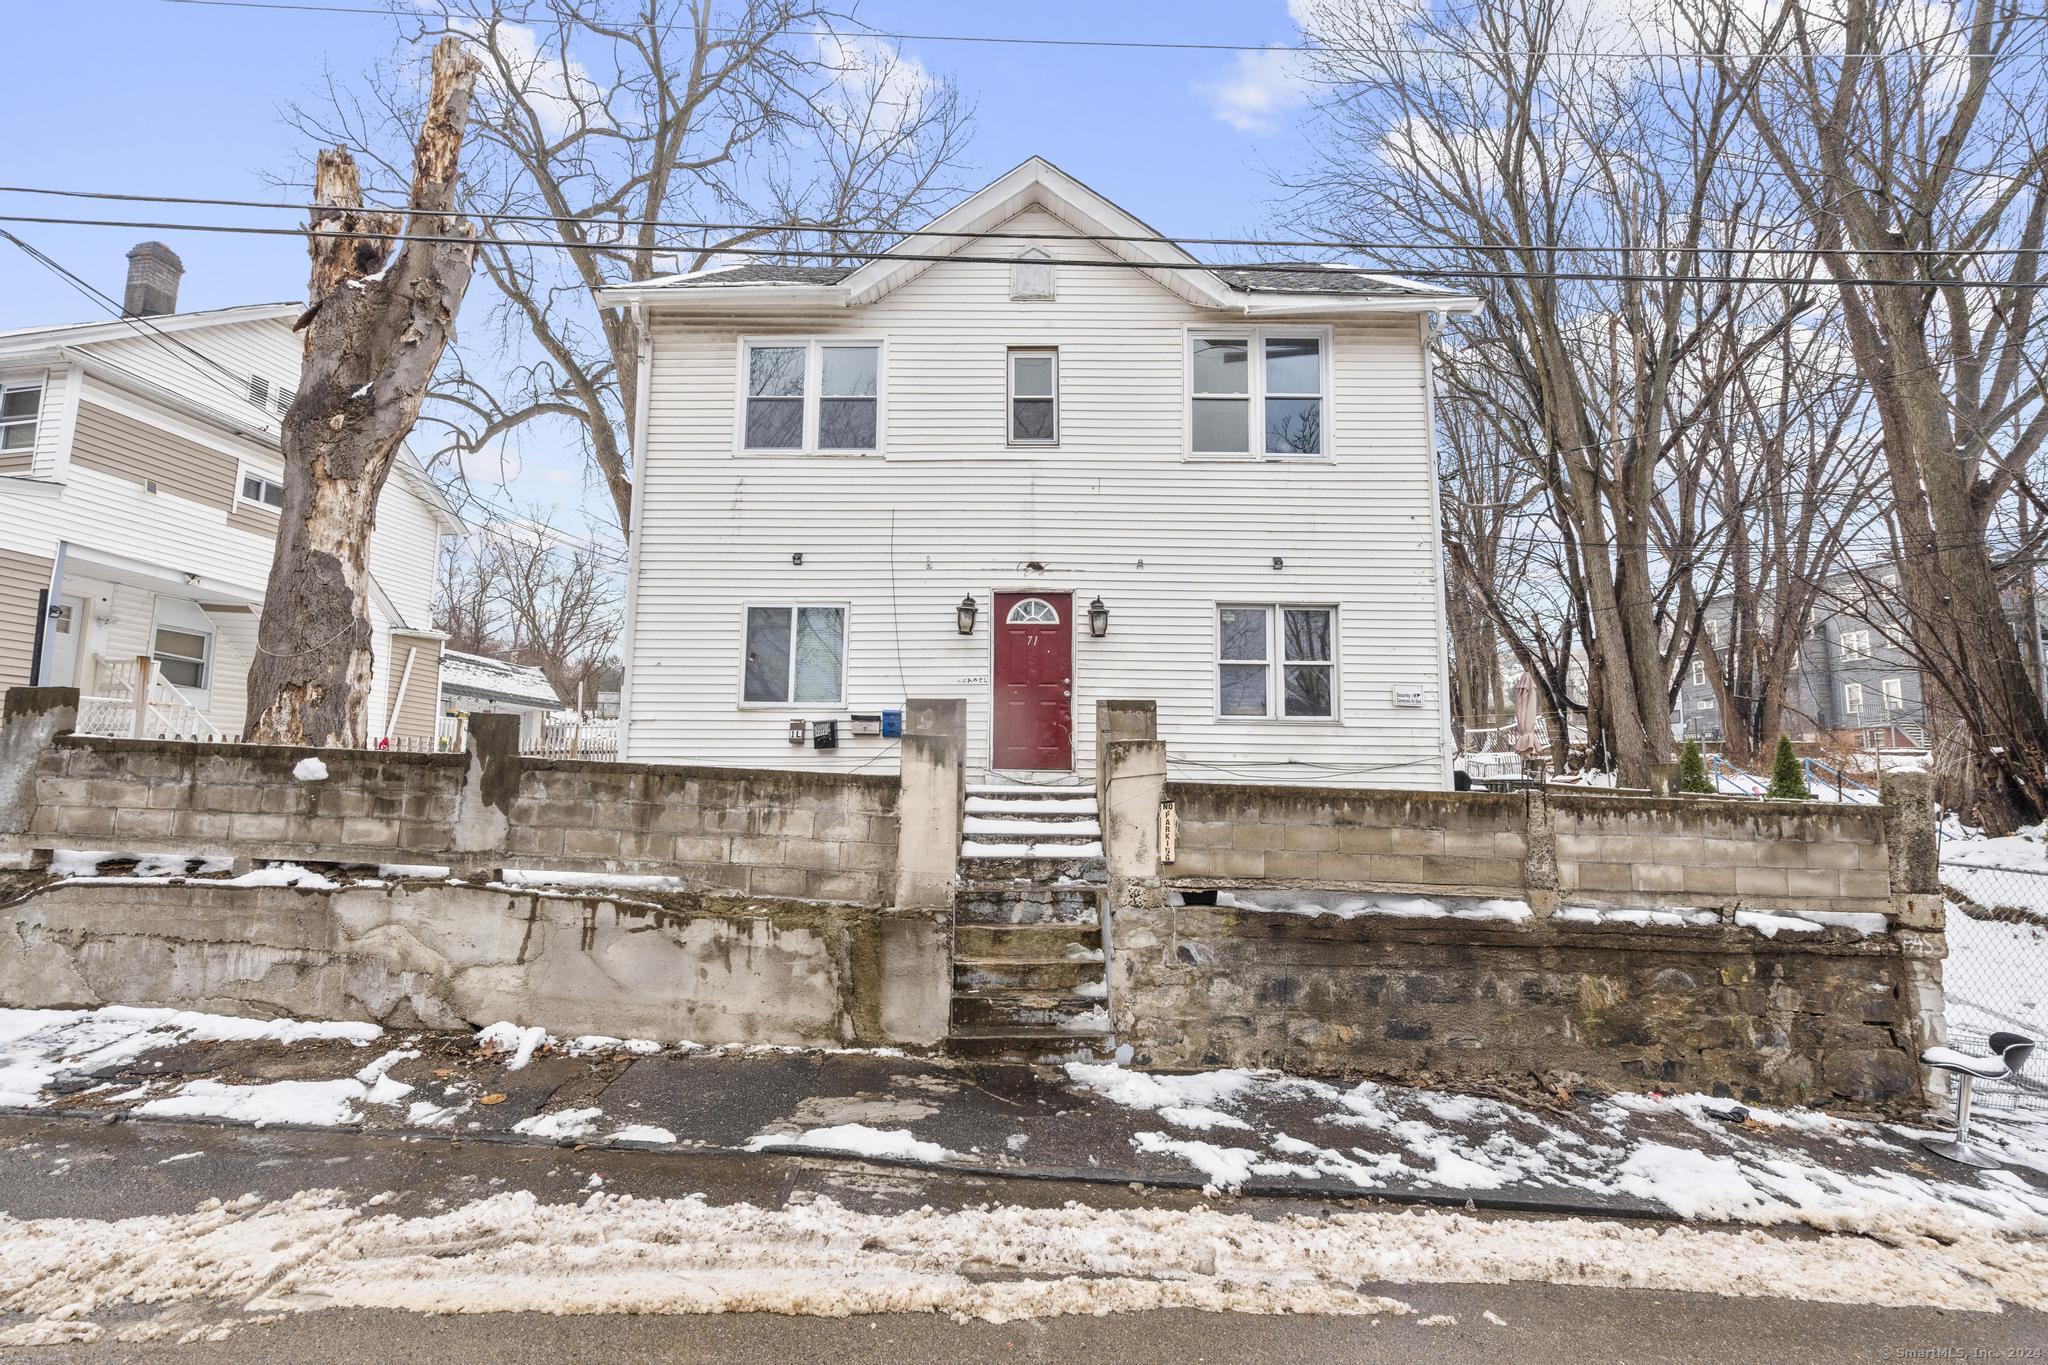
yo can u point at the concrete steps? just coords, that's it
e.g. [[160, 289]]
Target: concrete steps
[[1029, 980]]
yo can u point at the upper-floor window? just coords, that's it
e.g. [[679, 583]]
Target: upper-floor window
[[1852, 698], [1276, 662], [1034, 397], [1257, 392], [795, 653], [21, 405], [1894, 693], [1699, 673], [1855, 644], [256, 488], [812, 396]]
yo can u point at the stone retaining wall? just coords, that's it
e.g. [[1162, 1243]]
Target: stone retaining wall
[[1825, 1019]]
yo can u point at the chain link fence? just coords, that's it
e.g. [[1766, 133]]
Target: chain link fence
[[1996, 976]]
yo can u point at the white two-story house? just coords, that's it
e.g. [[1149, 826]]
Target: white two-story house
[[1034, 457], [140, 481]]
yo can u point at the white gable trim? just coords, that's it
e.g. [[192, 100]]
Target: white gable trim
[[1041, 185]]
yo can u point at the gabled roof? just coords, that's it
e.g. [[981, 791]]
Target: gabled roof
[[106, 329], [477, 675], [1037, 183]]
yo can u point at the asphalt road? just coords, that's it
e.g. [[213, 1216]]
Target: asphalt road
[[51, 1167]]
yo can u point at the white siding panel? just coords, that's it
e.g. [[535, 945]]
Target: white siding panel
[[1116, 510]]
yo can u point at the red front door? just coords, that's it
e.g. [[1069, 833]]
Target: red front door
[[1034, 725]]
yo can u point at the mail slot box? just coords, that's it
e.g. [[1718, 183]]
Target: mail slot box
[[867, 723]]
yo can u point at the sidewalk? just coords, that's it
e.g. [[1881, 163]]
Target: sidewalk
[[1687, 1157]]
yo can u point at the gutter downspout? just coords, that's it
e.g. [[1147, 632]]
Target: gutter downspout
[[1432, 327], [643, 362]]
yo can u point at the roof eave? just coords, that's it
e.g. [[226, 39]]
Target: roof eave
[[1256, 304], [718, 298]]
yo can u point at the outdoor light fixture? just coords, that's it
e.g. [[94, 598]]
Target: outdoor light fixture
[[964, 614], [1098, 619]]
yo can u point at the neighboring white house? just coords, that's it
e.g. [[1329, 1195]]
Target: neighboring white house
[[475, 684], [140, 479], [1026, 475]]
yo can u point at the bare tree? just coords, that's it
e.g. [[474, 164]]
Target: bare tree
[[1486, 129], [1910, 136], [598, 121], [522, 591], [375, 329]]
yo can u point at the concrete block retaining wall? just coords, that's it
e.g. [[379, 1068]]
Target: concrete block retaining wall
[[669, 966]]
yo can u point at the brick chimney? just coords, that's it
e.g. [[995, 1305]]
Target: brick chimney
[[153, 274]]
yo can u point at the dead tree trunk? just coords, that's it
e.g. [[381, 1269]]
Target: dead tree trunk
[[375, 330]]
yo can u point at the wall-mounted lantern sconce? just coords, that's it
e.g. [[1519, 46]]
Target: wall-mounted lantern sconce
[[1098, 619], [964, 614]]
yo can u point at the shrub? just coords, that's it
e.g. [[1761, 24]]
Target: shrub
[[1788, 779], [1692, 770]]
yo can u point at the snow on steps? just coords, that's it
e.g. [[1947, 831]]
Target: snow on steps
[[982, 848], [1032, 805]]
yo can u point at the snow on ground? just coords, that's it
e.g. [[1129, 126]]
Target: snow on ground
[[2026, 850], [1279, 901], [857, 1139], [36, 1046], [1462, 1142], [616, 1253]]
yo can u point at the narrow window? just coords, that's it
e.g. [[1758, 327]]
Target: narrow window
[[846, 408], [775, 397], [256, 488], [795, 654], [1852, 698], [1294, 396], [1699, 672], [1034, 397], [1305, 646], [181, 657], [19, 409], [1242, 660], [1222, 396], [1894, 693]]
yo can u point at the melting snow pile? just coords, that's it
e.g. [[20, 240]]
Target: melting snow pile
[[513, 1253], [310, 769], [1278, 901]]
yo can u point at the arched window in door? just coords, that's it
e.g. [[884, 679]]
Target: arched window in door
[[1033, 611]]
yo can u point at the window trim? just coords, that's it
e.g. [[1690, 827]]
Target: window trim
[[793, 606], [1256, 338], [1276, 662], [1852, 699], [205, 660], [814, 367], [34, 421], [1859, 652], [1892, 692], [1010, 396], [244, 473]]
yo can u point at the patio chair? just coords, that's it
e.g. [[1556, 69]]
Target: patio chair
[[2009, 1052]]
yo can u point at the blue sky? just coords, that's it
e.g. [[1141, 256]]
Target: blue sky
[[140, 95]]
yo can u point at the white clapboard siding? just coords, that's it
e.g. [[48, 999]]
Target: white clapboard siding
[[951, 509]]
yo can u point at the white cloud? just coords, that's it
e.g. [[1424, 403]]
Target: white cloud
[[876, 91], [1262, 89], [557, 87]]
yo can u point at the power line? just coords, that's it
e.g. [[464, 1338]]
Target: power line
[[238, 383], [1162, 45], [849, 253], [825, 229]]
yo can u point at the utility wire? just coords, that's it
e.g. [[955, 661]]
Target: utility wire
[[826, 229], [848, 253], [1162, 45]]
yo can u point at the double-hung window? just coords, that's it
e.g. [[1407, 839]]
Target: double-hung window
[[1034, 397], [257, 489], [1855, 644], [795, 654], [1852, 699], [1260, 393], [812, 396], [1276, 662], [182, 657], [1894, 690], [21, 406]]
